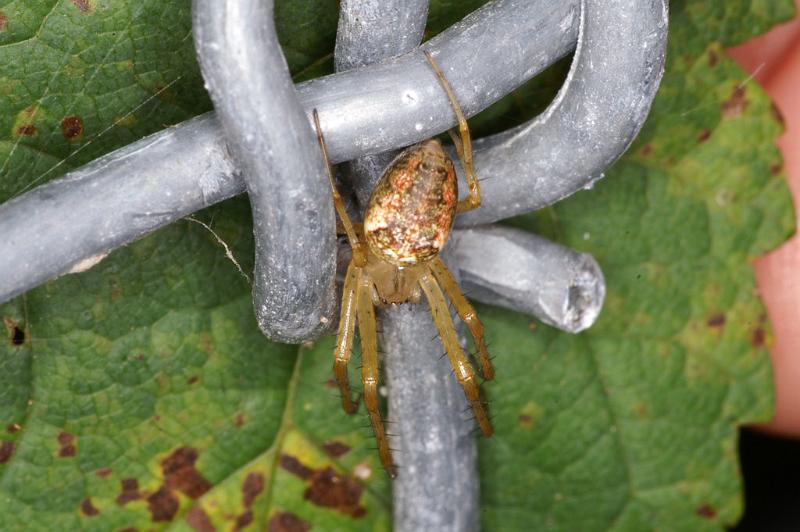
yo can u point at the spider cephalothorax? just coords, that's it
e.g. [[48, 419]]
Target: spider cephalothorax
[[406, 224]]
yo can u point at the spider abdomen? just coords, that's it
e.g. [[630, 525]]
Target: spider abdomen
[[411, 211]]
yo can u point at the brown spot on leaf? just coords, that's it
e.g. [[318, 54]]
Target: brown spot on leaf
[[775, 168], [103, 472], [88, 509], [717, 320], [116, 290], [776, 113], [3, 21], [294, 466], [704, 135], [163, 504], [287, 522], [13, 428], [327, 488], [15, 332], [193, 379], [67, 447], [713, 58], [72, 127], [85, 6], [737, 104], [198, 520], [331, 490], [243, 520], [26, 130], [759, 338], [526, 421], [6, 450], [180, 474], [646, 150], [207, 343], [130, 491], [253, 485], [17, 336], [707, 511], [335, 449], [239, 420]]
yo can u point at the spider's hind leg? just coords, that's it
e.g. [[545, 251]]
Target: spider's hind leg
[[466, 312], [461, 366]]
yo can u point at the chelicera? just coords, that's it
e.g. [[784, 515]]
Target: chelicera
[[396, 259]]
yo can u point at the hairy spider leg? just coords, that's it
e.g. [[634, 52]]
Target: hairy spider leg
[[359, 257], [462, 143], [348, 314], [465, 311], [461, 366], [369, 369], [344, 340]]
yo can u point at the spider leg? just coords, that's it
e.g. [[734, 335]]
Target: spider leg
[[462, 143], [344, 340], [359, 257], [461, 367], [369, 369], [466, 312]]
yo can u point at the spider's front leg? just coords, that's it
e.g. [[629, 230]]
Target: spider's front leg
[[359, 258], [348, 315], [461, 366], [462, 143], [369, 369]]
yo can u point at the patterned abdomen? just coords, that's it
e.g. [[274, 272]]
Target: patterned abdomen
[[411, 210]]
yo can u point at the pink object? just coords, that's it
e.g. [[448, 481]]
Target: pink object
[[774, 61]]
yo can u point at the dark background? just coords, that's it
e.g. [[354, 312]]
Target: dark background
[[771, 468]]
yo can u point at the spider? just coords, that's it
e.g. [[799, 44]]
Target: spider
[[395, 258]]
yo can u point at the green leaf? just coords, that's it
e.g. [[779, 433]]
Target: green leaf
[[632, 425], [140, 394]]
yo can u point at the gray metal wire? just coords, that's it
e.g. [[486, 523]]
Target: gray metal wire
[[530, 274], [72, 221], [118, 198], [293, 219], [616, 71]]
